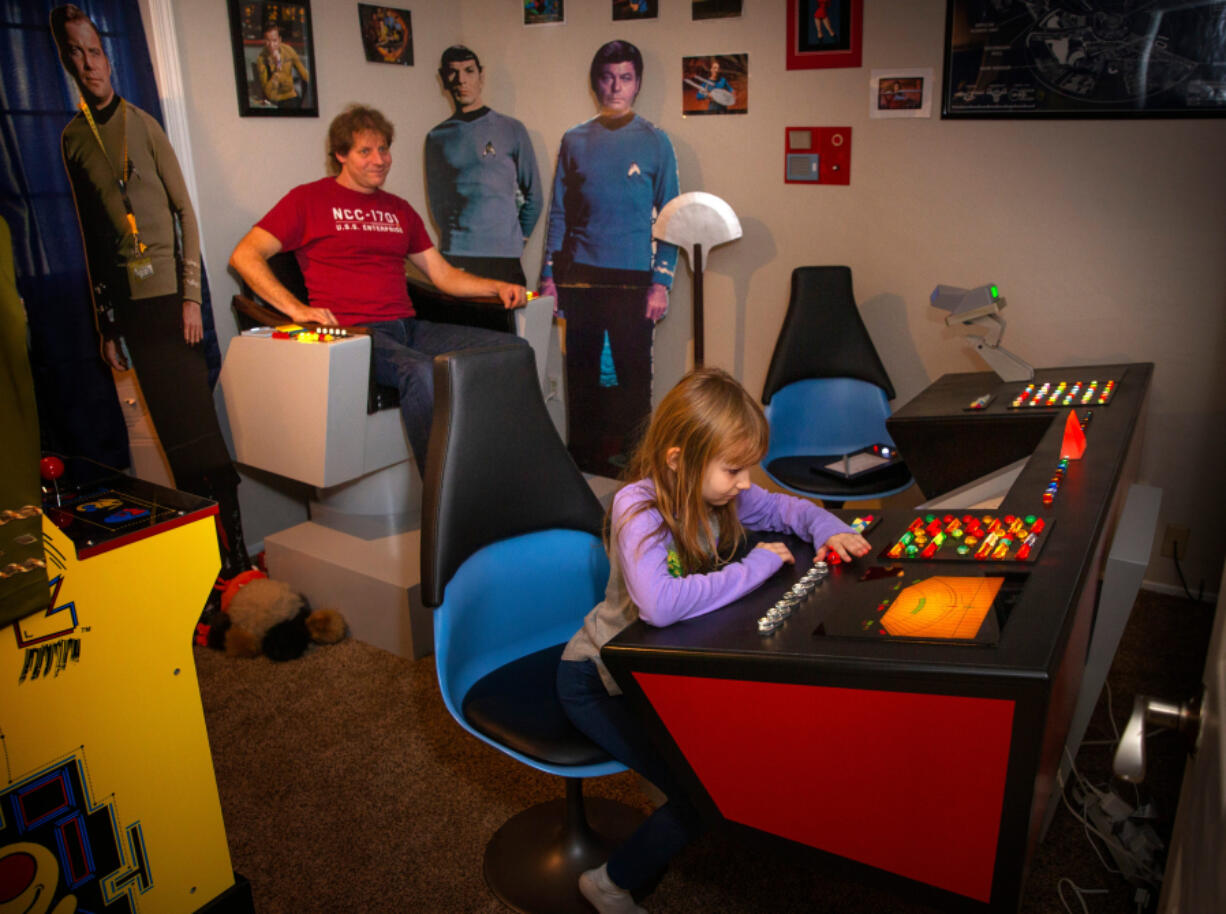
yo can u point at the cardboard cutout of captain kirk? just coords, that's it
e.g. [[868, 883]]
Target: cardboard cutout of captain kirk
[[142, 250]]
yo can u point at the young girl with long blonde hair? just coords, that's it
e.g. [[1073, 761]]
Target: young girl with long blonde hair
[[673, 532]]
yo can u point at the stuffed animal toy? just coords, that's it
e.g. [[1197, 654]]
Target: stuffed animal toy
[[261, 616]]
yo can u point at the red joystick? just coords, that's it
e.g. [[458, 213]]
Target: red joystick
[[51, 468]]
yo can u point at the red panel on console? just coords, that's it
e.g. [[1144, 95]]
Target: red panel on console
[[905, 782]]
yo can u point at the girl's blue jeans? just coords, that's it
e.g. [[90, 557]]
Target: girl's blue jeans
[[609, 722]]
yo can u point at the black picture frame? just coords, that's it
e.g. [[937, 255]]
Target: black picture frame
[[387, 34], [1094, 59], [249, 22]]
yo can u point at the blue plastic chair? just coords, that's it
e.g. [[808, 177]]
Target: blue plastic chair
[[815, 422], [827, 394], [512, 560]]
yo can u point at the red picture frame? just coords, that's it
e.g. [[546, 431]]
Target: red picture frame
[[811, 49]]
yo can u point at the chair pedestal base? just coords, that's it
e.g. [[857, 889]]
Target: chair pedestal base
[[534, 861]]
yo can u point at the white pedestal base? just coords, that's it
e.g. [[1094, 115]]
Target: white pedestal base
[[374, 583]]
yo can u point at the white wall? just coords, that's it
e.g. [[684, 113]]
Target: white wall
[[1106, 237]]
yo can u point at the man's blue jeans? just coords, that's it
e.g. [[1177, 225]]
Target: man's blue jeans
[[404, 352]]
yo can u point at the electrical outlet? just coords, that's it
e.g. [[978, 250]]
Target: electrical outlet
[[1176, 538]]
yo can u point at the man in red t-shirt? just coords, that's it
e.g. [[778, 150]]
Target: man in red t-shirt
[[351, 238]]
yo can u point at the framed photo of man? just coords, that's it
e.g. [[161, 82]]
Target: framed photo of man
[[274, 59], [715, 84], [903, 92], [544, 12], [824, 33], [635, 9]]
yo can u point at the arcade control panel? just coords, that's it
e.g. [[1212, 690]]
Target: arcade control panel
[[99, 508]]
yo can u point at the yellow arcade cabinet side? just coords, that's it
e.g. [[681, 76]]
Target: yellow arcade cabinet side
[[108, 801]]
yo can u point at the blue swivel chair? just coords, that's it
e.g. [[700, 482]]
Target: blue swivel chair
[[512, 560], [827, 394]]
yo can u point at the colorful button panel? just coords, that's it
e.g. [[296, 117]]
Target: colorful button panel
[[1053, 487], [970, 537], [321, 334], [1049, 493], [862, 523], [1052, 394]]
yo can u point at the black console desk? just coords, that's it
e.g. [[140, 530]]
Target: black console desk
[[933, 761]]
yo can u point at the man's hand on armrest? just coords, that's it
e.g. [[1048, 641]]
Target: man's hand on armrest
[[462, 284], [250, 260], [512, 296]]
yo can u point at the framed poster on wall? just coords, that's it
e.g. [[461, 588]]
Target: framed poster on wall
[[1084, 59], [387, 34], [824, 33], [274, 59]]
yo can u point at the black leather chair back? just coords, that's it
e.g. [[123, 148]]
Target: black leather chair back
[[496, 467], [284, 266], [823, 335]]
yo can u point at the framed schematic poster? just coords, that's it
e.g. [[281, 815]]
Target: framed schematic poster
[[1084, 58]]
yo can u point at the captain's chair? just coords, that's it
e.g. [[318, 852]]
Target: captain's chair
[[302, 411], [513, 561], [309, 412]]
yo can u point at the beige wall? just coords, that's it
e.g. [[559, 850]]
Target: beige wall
[[1106, 237]]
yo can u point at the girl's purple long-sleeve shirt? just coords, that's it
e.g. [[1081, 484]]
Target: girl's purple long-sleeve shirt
[[663, 598], [641, 584]]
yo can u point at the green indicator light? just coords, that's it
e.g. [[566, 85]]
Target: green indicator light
[[992, 289]]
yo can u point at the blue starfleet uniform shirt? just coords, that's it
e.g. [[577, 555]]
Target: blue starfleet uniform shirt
[[485, 190], [611, 181]]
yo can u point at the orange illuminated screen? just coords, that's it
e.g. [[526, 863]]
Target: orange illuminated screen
[[942, 607]]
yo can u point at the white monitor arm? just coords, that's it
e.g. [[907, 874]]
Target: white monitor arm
[[979, 308], [1007, 365]]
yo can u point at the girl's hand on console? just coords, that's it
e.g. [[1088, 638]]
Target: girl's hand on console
[[847, 545], [780, 550]]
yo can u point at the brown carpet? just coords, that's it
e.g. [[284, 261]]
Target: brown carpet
[[346, 787]]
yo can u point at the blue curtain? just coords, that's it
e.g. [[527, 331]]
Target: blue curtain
[[79, 412]]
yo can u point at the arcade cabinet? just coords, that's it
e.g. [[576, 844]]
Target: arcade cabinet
[[108, 801]]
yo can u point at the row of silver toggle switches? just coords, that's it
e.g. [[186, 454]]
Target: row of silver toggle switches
[[794, 597]]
